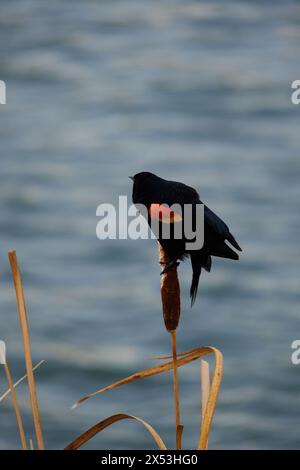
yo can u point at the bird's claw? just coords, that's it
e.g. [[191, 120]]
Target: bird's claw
[[170, 266]]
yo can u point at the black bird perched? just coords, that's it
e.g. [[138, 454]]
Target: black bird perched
[[149, 190]]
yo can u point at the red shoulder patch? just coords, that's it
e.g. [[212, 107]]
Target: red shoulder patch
[[163, 213]]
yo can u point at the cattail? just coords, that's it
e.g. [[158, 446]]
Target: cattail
[[170, 293], [170, 296]]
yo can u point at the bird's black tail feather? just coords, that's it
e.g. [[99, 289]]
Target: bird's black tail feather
[[194, 286], [224, 251], [233, 242], [196, 265]]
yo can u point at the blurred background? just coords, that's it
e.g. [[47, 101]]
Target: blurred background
[[197, 91]]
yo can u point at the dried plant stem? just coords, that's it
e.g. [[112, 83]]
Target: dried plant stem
[[179, 427], [205, 386], [16, 406], [182, 359], [170, 296], [212, 401], [205, 389], [26, 345], [91, 432]]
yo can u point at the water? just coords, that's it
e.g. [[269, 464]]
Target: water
[[194, 91]]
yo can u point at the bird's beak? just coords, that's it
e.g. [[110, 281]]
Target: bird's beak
[[131, 177]]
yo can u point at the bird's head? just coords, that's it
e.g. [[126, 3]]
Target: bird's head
[[142, 184], [143, 177]]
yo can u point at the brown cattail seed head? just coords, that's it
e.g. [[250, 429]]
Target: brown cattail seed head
[[170, 293]]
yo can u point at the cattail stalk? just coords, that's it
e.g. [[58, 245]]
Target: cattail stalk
[[170, 296]]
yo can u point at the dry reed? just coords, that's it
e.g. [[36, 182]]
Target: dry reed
[[205, 389], [3, 361], [26, 345], [170, 294]]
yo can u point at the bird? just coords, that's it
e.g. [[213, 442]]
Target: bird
[[153, 191]]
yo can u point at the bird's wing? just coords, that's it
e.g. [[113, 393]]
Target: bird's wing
[[219, 227], [173, 192]]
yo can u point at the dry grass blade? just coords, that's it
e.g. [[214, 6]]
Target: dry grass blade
[[5, 394], [91, 432], [182, 359], [16, 407], [205, 387], [164, 358], [26, 345], [185, 358], [212, 401]]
